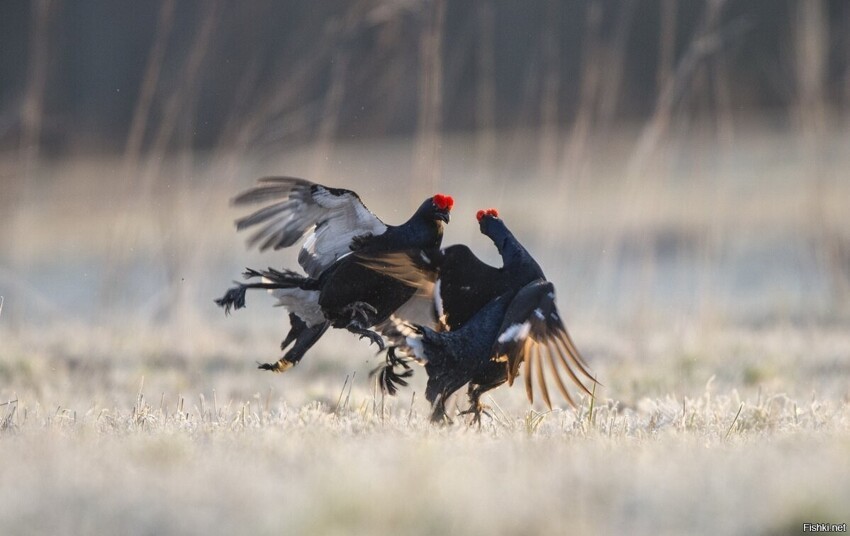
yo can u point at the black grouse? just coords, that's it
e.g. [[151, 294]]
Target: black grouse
[[342, 237], [492, 320]]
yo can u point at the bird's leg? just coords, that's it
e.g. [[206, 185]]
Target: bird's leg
[[367, 334], [362, 310], [476, 408], [305, 339], [296, 327], [439, 414], [360, 321], [281, 365]]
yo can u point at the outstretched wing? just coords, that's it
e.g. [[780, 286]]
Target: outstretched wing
[[458, 281], [329, 218], [412, 267], [533, 333]]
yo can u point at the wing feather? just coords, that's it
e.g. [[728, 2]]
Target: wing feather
[[563, 337], [567, 366], [554, 368], [529, 391], [541, 379], [404, 266], [328, 219], [532, 328]]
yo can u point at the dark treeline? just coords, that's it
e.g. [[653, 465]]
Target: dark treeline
[[225, 72]]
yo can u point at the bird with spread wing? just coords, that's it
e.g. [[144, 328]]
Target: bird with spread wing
[[492, 321], [340, 235]]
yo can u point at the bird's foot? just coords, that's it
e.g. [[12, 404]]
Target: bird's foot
[[439, 415], [282, 365], [441, 418], [476, 410], [366, 333], [360, 309], [373, 338]]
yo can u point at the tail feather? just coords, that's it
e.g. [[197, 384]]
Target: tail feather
[[272, 280], [285, 278], [234, 298]]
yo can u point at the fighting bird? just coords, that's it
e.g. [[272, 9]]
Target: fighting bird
[[491, 322], [341, 236]]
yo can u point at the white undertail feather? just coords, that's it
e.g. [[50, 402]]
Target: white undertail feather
[[304, 303], [415, 344], [438, 301], [515, 332]]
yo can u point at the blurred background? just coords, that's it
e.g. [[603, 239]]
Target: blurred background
[[679, 168]]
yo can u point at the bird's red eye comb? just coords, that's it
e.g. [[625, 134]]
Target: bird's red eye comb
[[444, 202], [488, 212]]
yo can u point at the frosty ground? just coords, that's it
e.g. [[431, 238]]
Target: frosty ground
[[709, 301]]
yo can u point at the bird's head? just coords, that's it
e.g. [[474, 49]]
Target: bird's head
[[486, 218], [491, 225], [438, 207]]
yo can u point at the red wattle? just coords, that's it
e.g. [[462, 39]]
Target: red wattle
[[443, 202]]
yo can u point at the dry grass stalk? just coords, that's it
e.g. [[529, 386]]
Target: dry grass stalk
[[614, 61], [811, 54], [330, 112], [708, 39], [603, 62], [667, 41], [485, 89], [32, 110], [183, 94], [150, 79], [591, 63], [427, 163], [549, 120]]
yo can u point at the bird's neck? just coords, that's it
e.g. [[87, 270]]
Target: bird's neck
[[417, 232], [515, 258]]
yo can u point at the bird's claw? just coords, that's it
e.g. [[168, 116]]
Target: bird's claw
[[476, 411], [374, 338], [361, 309], [281, 365]]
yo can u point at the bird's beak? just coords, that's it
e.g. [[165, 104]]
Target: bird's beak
[[443, 215]]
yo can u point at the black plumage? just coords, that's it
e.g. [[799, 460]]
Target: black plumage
[[494, 320], [341, 237]]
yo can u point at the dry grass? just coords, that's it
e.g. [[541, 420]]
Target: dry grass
[[129, 403], [708, 465]]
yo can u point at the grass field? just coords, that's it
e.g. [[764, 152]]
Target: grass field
[[709, 296]]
